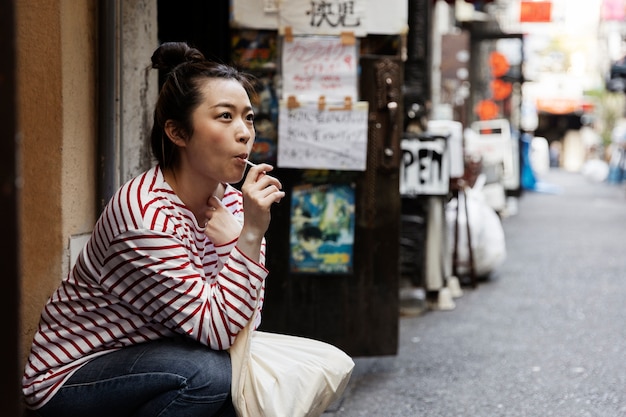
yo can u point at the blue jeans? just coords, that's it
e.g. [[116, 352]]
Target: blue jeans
[[166, 378]]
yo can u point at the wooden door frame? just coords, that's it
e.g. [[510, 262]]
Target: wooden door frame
[[10, 370]]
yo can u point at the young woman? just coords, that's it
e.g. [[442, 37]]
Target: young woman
[[172, 269]]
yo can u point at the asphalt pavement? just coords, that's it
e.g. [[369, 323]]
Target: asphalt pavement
[[545, 335]]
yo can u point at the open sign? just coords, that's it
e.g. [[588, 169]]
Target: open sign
[[425, 167]]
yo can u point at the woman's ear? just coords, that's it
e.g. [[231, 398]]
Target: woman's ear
[[175, 133]]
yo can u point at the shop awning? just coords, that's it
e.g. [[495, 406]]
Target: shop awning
[[563, 105]]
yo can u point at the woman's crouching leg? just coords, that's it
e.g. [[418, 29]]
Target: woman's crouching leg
[[166, 378]]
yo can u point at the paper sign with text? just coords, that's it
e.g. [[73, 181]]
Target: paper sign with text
[[425, 168], [323, 17], [309, 138], [315, 66], [387, 17]]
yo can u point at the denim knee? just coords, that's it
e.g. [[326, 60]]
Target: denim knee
[[172, 377]]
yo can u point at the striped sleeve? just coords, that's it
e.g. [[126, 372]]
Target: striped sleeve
[[155, 275]]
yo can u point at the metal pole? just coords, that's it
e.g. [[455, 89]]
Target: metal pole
[[109, 102]]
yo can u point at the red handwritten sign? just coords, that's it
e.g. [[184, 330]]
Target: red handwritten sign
[[315, 66]]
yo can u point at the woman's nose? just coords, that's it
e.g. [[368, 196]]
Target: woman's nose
[[244, 132], [244, 138]]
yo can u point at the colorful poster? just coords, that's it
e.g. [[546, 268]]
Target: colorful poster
[[254, 49], [322, 229]]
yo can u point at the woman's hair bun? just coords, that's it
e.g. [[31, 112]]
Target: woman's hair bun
[[171, 54]]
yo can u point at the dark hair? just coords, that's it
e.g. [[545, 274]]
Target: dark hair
[[310, 232], [185, 68]]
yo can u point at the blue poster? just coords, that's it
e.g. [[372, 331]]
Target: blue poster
[[322, 229]]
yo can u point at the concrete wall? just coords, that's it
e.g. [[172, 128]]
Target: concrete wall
[[139, 84], [57, 67], [56, 122]]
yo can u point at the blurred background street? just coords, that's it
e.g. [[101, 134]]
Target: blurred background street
[[544, 336]]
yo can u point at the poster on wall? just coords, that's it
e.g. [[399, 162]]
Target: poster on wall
[[314, 66], [310, 138], [322, 229], [254, 49]]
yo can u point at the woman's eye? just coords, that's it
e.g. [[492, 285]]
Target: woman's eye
[[225, 115], [250, 118]]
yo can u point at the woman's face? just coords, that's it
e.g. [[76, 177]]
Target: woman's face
[[223, 132]]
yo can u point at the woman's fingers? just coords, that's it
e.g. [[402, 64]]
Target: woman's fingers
[[260, 185], [221, 226]]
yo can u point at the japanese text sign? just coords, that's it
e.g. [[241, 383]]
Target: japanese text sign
[[323, 17], [319, 66], [310, 138], [360, 17]]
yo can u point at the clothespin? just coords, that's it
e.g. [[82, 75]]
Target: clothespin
[[347, 38], [347, 104], [321, 103], [292, 102], [288, 33]]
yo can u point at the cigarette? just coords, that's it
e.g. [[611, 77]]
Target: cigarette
[[252, 164]]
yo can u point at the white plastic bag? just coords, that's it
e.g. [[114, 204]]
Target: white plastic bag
[[276, 375], [486, 234]]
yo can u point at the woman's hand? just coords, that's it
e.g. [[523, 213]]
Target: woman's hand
[[221, 226], [259, 191]]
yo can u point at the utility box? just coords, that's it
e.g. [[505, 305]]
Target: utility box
[[494, 143]]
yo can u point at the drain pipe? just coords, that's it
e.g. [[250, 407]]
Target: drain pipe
[[109, 99]]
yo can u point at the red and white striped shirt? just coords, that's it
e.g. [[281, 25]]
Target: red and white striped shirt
[[147, 272]]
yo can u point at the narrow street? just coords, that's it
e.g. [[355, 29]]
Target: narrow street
[[544, 336]]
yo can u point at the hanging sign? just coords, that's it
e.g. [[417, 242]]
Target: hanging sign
[[310, 137], [314, 66], [387, 17], [425, 167], [323, 17], [535, 11]]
